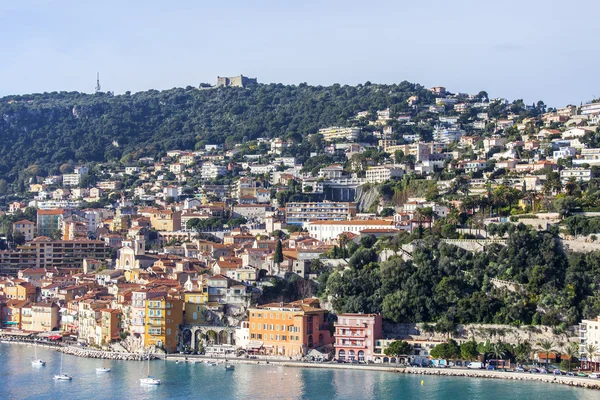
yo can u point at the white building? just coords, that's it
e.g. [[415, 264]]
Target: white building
[[588, 156], [324, 230], [71, 179], [338, 132], [211, 171], [580, 174], [589, 334], [382, 173], [590, 109]]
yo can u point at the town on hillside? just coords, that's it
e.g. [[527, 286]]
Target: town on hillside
[[466, 218]]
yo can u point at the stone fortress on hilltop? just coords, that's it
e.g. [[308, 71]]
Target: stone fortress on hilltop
[[234, 81]]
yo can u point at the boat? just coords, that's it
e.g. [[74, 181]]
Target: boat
[[37, 362], [229, 367], [212, 364], [102, 369], [149, 380], [62, 376]]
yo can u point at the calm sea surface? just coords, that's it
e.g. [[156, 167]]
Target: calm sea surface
[[19, 380]]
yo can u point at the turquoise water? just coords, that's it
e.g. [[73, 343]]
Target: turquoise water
[[19, 380]]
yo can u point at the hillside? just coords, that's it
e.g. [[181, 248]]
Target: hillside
[[39, 132]]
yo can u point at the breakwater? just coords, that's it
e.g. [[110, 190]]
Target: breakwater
[[101, 354]]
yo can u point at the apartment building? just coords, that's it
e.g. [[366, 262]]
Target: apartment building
[[298, 213], [288, 329], [62, 253], [45, 316], [580, 174], [382, 173], [356, 335], [338, 132], [589, 334], [163, 317]]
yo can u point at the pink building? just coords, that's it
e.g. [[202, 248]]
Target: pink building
[[355, 336]]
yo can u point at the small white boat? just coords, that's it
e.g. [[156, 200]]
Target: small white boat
[[150, 380], [229, 367], [102, 369], [62, 376], [37, 362], [177, 362]]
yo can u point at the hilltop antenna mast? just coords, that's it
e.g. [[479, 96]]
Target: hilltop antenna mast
[[98, 87]]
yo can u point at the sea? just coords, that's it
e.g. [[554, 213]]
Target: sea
[[20, 380]]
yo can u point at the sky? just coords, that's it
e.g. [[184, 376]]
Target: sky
[[529, 49]]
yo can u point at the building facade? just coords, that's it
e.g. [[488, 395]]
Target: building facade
[[355, 336]]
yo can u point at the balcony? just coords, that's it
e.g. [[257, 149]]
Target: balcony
[[352, 345], [350, 334]]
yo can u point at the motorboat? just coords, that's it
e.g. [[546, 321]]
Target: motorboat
[[229, 367], [102, 369]]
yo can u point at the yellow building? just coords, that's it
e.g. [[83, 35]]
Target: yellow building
[[21, 291], [45, 316], [163, 317], [194, 303], [166, 220]]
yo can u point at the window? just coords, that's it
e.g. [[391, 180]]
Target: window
[[259, 326], [253, 325], [252, 336], [277, 337], [276, 316]]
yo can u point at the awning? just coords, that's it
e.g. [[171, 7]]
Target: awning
[[254, 345]]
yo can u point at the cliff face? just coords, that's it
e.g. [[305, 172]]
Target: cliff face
[[367, 197]]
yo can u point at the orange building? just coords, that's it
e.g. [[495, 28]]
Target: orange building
[[163, 317], [288, 329]]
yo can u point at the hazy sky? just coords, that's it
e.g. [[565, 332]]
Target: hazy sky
[[530, 49]]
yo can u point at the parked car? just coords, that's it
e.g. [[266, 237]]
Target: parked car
[[534, 371], [543, 371], [571, 373], [557, 372], [581, 375], [595, 375], [491, 368], [519, 369]]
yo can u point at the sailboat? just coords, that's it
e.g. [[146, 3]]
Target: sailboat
[[149, 380], [37, 362], [62, 376]]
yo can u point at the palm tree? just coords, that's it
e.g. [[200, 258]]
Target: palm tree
[[547, 346], [497, 350], [591, 350], [571, 350]]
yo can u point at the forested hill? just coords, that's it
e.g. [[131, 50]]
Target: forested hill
[[38, 132]]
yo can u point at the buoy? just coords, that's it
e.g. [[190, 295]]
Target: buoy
[[422, 382]]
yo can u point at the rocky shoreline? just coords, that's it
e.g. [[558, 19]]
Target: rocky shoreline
[[101, 354], [586, 383]]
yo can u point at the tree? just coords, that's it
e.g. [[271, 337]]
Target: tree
[[278, 255], [571, 350], [387, 212], [398, 348], [3, 187], [547, 347], [498, 351], [591, 351], [449, 350], [468, 350]]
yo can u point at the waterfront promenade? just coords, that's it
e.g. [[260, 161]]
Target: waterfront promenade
[[579, 382]]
